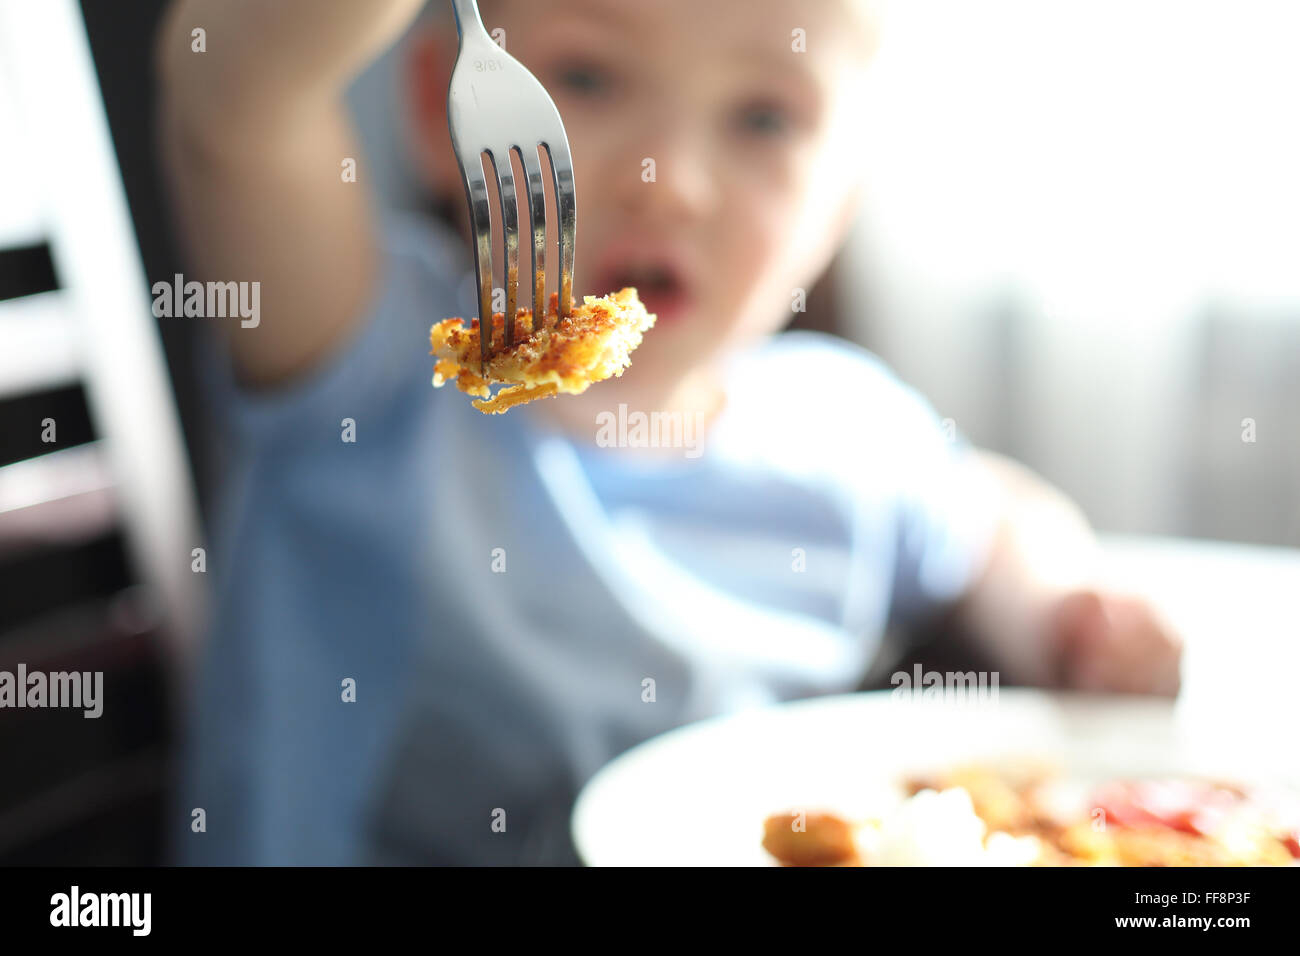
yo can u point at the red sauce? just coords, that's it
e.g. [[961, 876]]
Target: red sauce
[[1190, 807]]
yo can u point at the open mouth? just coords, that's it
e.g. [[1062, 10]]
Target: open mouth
[[661, 286]]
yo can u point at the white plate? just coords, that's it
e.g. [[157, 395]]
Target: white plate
[[698, 796]]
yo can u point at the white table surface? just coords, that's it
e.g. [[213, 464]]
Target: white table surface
[[1237, 609]]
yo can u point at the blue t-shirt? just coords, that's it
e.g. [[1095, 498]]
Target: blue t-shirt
[[514, 607]]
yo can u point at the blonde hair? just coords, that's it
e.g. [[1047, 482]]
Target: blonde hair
[[868, 14]]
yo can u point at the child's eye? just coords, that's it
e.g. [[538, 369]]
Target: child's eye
[[764, 119], [585, 79]]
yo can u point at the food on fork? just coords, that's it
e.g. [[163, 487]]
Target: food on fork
[[591, 344]]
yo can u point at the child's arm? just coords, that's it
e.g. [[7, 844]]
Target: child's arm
[[253, 136], [1036, 608]]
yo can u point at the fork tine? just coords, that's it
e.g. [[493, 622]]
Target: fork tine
[[476, 192], [537, 210], [567, 206], [510, 222]]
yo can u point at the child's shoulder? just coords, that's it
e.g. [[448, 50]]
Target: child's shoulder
[[810, 344], [813, 404], [817, 381]]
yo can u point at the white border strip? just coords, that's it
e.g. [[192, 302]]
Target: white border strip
[[94, 249], [40, 344], [21, 220]]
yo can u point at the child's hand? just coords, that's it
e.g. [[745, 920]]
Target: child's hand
[[1114, 643], [254, 137]]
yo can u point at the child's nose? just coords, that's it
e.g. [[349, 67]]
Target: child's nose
[[671, 176]]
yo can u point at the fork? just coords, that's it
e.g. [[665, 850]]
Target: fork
[[495, 106]]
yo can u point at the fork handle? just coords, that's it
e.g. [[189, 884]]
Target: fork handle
[[467, 16]]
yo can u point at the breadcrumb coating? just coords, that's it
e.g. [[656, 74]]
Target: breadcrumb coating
[[594, 343]]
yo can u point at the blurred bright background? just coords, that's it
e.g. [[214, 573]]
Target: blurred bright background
[[1083, 244]]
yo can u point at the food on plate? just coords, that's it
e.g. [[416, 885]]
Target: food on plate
[[982, 816], [593, 343], [811, 839]]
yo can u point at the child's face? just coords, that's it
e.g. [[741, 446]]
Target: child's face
[[716, 165]]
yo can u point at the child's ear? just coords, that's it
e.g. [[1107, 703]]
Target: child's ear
[[431, 54]]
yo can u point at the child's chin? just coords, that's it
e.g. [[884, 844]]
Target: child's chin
[[670, 310]]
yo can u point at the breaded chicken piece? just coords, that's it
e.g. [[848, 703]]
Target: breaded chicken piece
[[592, 344], [824, 840]]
